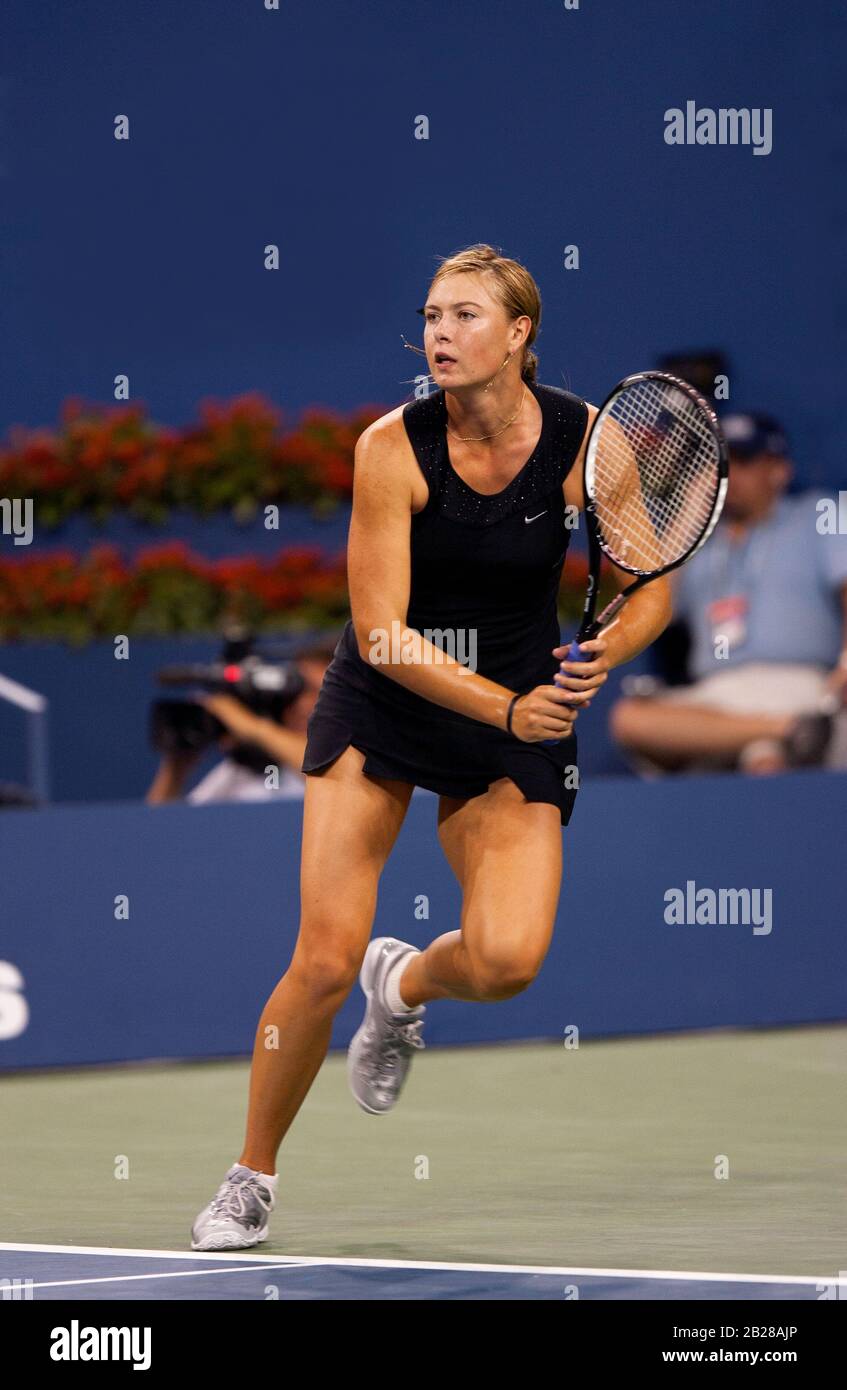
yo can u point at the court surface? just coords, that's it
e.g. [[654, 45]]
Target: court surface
[[511, 1171]]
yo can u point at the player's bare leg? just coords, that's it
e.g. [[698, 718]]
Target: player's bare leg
[[350, 824], [508, 908]]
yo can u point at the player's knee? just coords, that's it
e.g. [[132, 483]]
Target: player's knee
[[325, 974], [501, 978]]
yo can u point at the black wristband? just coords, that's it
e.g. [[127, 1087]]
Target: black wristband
[[512, 702]]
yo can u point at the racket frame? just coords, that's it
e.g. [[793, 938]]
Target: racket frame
[[590, 626]]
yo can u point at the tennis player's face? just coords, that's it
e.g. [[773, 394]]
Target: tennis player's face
[[467, 332]]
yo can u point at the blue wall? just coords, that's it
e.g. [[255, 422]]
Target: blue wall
[[213, 903], [296, 127]]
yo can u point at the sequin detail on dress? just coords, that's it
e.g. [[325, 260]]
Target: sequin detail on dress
[[564, 418]]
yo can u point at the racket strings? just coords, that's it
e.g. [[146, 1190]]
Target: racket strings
[[656, 475]]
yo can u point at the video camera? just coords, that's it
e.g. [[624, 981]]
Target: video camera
[[265, 685]]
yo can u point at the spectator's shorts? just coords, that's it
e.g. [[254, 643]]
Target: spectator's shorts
[[758, 687], [765, 687]]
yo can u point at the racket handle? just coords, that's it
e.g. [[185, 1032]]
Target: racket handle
[[574, 654]]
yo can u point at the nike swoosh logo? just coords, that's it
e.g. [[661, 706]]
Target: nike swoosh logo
[[535, 518]]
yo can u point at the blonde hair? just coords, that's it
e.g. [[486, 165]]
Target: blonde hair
[[513, 287]]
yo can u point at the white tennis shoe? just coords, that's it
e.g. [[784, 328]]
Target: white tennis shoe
[[237, 1217], [381, 1051]]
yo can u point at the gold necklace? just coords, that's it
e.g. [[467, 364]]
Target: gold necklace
[[474, 438]]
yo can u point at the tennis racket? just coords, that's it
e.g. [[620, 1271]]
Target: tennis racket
[[656, 473]]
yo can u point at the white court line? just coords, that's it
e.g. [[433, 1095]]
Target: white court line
[[169, 1274], [304, 1260]]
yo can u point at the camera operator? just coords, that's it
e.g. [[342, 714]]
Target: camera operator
[[252, 743]]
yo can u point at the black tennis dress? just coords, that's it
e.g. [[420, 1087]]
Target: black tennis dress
[[490, 564]]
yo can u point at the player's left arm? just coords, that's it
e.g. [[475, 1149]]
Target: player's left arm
[[641, 620]]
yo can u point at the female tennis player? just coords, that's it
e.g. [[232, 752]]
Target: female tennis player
[[459, 529]]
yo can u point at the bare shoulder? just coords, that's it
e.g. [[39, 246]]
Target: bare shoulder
[[572, 486], [593, 412], [384, 459], [383, 435]]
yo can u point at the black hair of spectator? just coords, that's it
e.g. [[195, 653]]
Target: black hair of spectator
[[698, 366]]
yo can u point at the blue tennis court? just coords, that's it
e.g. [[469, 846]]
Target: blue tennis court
[[84, 1272]]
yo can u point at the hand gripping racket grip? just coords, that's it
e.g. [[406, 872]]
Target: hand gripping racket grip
[[574, 654]]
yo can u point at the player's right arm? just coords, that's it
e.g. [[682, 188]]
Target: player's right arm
[[379, 576]]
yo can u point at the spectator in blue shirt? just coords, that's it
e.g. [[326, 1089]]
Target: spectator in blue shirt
[[765, 604]]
